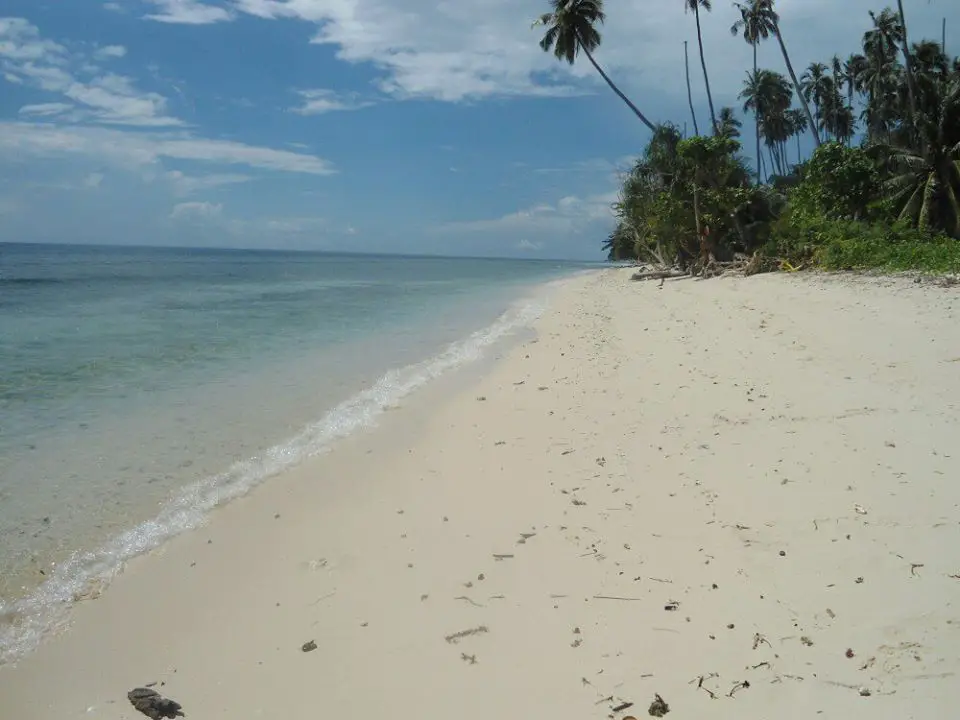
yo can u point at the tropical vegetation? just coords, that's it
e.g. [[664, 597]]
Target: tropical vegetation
[[881, 187]]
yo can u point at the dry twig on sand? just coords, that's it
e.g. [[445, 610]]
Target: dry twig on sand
[[458, 636]]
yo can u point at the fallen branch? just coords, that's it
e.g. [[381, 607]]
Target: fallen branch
[[658, 274], [457, 636], [464, 597]]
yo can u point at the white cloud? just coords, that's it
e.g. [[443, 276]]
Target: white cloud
[[470, 49], [528, 246], [196, 211], [110, 51], [453, 52], [317, 102], [134, 150], [296, 225], [184, 184], [45, 109], [569, 214], [188, 12], [106, 98], [20, 42], [93, 180]]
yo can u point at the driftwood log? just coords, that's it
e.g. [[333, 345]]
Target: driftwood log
[[658, 274]]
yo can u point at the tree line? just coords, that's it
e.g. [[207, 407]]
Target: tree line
[[881, 188]]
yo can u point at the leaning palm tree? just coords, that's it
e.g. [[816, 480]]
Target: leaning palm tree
[[571, 27], [927, 188], [694, 6], [754, 31], [763, 14], [686, 64]]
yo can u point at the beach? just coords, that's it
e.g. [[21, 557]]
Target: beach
[[737, 495]]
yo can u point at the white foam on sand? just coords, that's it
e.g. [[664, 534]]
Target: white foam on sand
[[26, 621]]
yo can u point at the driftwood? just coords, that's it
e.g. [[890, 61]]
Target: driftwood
[[658, 274]]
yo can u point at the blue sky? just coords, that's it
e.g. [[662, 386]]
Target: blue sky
[[357, 125]]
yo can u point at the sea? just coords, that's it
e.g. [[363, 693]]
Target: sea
[[140, 388]]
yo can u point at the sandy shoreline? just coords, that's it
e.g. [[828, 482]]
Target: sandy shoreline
[[709, 444]]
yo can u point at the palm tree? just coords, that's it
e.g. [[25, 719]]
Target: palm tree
[[836, 66], [854, 69], [927, 188], [571, 27], [797, 121], [911, 87], [728, 125], [881, 75], [753, 31], [768, 94], [763, 14], [695, 6], [686, 63], [815, 86]]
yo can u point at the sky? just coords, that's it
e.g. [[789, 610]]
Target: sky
[[406, 126]]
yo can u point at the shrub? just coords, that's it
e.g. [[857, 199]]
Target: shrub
[[838, 182], [857, 245]]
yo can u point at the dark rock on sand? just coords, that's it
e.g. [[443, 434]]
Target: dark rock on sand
[[153, 704]]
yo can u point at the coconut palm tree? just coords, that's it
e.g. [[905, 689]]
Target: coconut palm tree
[[686, 64], [905, 47], [763, 14], [694, 6], [754, 31], [571, 27], [816, 88], [881, 77], [930, 60], [768, 94], [836, 66], [728, 125], [927, 187], [797, 120], [853, 71]]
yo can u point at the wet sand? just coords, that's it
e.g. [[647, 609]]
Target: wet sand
[[740, 495]]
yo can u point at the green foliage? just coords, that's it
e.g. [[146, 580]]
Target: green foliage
[[838, 244], [893, 202], [838, 182]]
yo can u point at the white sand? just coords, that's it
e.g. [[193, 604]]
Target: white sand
[[707, 443]]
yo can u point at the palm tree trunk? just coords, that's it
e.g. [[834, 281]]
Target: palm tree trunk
[[636, 110], [799, 158], [911, 86], [703, 63], [756, 114], [796, 85], [686, 62]]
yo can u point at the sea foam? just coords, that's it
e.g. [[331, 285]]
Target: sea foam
[[26, 621]]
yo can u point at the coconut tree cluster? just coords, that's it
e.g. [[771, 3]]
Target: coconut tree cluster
[[886, 119]]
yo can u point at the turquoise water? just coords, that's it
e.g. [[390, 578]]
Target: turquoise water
[[139, 388]]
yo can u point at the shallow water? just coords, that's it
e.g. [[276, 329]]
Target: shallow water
[[139, 388]]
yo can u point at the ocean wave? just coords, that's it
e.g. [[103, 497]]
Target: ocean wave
[[26, 621]]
